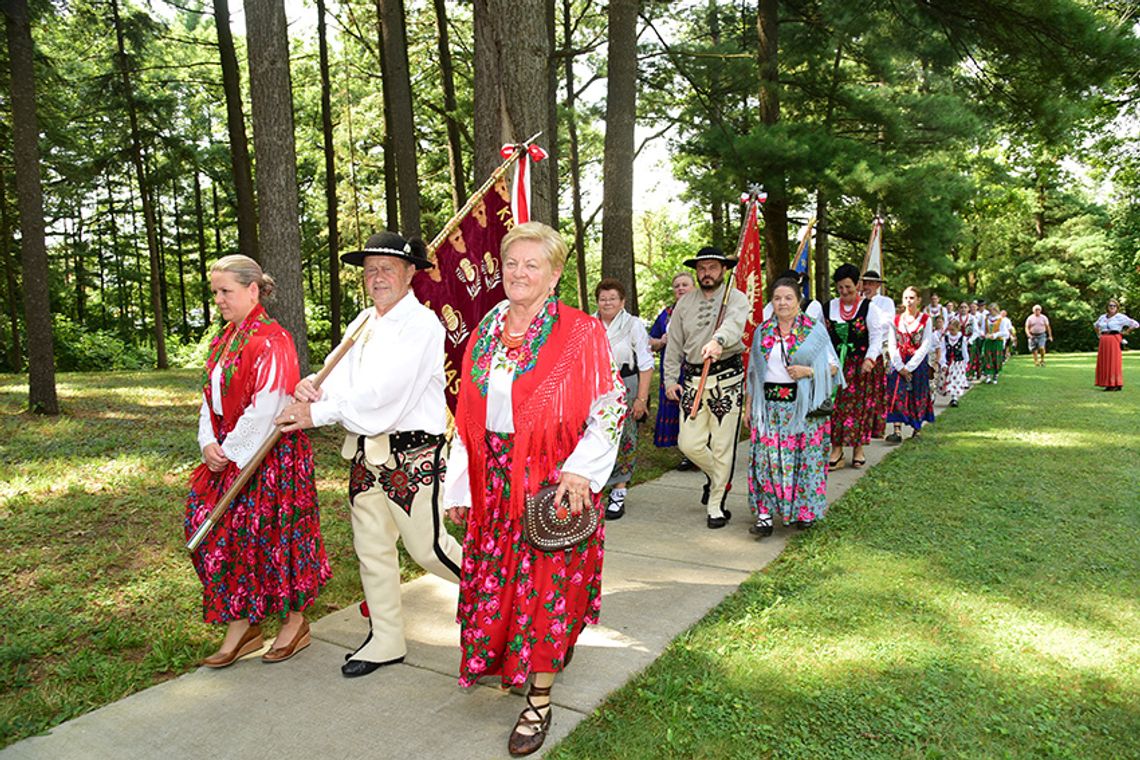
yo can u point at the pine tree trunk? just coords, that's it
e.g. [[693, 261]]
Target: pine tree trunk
[[578, 250], [822, 289], [398, 91], [235, 125], [181, 261], [450, 105], [156, 278], [80, 270], [200, 224], [331, 203], [15, 356], [271, 93], [617, 172], [776, 207], [513, 79], [30, 200], [388, 146]]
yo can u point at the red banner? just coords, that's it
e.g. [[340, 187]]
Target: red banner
[[467, 279], [750, 272]]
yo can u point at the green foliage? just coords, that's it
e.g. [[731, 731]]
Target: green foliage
[[79, 350]]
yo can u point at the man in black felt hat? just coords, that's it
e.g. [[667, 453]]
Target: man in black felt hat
[[387, 393], [709, 440]]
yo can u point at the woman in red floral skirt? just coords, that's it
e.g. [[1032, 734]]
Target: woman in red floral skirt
[[851, 321], [540, 402], [265, 557]]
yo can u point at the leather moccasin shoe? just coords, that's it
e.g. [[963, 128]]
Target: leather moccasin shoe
[[251, 641], [281, 652], [357, 668]]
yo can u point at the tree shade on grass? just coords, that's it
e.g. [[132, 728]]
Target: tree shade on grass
[[975, 595]]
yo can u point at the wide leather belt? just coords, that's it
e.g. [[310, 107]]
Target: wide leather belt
[[735, 361]]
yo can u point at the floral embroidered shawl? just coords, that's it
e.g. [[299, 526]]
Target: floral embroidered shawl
[[247, 353], [563, 367]]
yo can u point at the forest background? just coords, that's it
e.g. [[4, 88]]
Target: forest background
[[998, 140]]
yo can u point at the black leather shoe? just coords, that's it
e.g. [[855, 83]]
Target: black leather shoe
[[356, 668], [720, 522], [804, 524], [761, 530], [894, 438]]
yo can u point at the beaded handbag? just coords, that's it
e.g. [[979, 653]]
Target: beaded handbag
[[550, 527]]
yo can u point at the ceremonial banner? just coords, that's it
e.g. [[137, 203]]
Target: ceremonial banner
[[874, 258], [467, 279], [802, 260], [750, 269]]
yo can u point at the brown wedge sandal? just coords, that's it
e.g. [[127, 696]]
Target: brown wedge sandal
[[532, 717]]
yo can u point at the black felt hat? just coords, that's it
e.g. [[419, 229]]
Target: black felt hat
[[711, 253], [390, 244], [872, 276]]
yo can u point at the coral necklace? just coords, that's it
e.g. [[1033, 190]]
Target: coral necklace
[[847, 314]]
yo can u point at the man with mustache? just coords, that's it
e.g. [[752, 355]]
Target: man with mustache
[[709, 440]]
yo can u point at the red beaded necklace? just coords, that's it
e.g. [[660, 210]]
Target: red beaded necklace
[[847, 314]]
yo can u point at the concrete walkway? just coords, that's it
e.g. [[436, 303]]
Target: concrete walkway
[[664, 570]]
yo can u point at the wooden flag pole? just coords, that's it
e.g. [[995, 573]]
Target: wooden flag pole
[[477, 196]]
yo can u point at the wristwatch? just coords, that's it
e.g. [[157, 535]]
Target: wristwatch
[[720, 340]]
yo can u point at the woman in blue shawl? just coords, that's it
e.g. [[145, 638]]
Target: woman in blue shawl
[[792, 375]]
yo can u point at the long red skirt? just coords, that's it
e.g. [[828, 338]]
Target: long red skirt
[[857, 405], [1109, 362], [265, 556], [520, 609]]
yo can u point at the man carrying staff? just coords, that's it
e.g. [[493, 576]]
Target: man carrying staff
[[387, 393], [709, 440]]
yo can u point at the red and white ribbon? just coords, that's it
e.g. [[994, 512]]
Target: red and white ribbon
[[520, 191]]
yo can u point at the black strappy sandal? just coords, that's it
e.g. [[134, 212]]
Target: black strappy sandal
[[524, 744]]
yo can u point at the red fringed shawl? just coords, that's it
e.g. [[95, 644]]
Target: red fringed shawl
[[550, 402], [247, 353]]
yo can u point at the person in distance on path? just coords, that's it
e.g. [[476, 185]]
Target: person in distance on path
[[709, 439], [630, 345]]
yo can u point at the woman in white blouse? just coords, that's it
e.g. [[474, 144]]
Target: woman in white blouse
[[1112, 326], [265, 557], [629, 342], [540, 403], [908, 383]]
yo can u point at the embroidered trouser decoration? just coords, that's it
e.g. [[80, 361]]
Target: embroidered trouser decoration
[[709, 440], [407, 505]]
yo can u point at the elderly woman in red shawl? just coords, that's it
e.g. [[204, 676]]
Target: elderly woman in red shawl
[[540, 403], [265, 556]]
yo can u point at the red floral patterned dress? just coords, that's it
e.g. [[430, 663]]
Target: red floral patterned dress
[[265, 556], [520, 609]]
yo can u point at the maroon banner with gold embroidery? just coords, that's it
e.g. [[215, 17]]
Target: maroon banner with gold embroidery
[[750, 267], [467, 279]]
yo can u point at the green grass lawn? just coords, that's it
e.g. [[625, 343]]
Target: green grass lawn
[[98, 598], [975, 595]]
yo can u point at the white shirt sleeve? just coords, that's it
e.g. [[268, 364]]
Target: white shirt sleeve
[[391, 380], [205, 426], [457, 481], [594, 456], [878, 325], [640, 340], [255, 424], [923, 348]]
